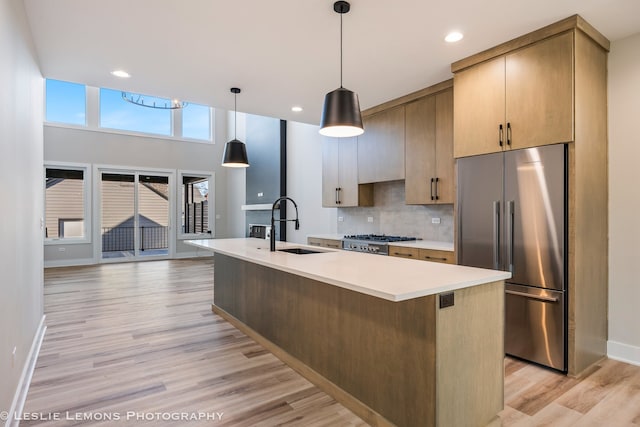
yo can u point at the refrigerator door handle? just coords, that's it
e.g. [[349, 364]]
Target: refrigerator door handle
[[510, 229], [496, 235], [537, 297]]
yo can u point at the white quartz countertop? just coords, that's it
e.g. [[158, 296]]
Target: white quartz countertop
[[390, 278]]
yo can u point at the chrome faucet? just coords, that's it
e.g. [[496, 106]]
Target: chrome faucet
[[272, 237]]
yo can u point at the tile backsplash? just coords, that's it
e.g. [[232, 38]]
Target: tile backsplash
[[390, 215]]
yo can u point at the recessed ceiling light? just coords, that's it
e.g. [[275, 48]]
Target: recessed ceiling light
[[121, 73], [296, 109], [453, 37]]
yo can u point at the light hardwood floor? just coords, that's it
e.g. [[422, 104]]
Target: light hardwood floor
[[141, 337]]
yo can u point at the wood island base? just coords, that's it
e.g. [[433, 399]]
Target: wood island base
[[406, 363]]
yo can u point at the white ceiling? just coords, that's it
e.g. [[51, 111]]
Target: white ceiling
[[286, 53]]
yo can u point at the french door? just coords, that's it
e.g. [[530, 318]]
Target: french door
[[135, 220]]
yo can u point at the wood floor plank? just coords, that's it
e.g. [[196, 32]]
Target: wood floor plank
[[141, 338], [541, 394]]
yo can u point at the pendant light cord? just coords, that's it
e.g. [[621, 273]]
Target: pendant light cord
[[341, 49], [235, 116]]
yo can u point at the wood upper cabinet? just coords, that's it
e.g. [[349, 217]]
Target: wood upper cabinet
[[539, 93], [478, 108], [429, 150], [381, 147], [518, 100], [340, 175]]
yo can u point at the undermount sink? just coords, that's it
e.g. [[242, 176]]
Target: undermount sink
[[300, 251]]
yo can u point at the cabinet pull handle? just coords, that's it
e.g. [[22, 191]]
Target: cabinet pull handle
[[401, 254], [434, 257], [431, 188], [500, 134], [337, 196], [437, 180], [508, 133]]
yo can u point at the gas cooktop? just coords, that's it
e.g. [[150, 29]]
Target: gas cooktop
[[379, 238]]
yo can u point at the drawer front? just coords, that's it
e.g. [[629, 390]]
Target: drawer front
[[324, 243], [399, 251], [334, 244], [313, 241], [437, 256]]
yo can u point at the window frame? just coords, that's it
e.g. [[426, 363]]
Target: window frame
[[87, 175], [65, 124], [171, 118], [211, 198], [92, 118], [209, 139]]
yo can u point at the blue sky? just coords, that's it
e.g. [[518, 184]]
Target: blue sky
[[66, 103]]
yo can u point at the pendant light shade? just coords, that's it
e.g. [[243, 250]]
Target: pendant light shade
[[341, 115], [235, 151], [235, 154]]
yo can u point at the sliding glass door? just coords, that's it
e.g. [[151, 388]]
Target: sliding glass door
[[135, 219]]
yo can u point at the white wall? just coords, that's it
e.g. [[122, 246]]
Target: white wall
[[624, 200], [64, 144], [304, 183], [21, 193]]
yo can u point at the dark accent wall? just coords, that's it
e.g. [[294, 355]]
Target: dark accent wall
[[266, 177]]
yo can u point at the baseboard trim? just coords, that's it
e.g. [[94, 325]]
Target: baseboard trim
[[623, 352], [69, 262], [91, 261], [25, 378]]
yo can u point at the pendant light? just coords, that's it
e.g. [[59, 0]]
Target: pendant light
[[235, 152], [341, 116]]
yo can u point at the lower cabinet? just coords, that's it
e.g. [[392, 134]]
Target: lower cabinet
[[447, 257], [432, 255], [404, 252], [324, 243]]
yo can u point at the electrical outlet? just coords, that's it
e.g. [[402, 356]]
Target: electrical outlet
[[446, 300], [218, 216], [62, 249], [340, 219], [435, 220], [260, 194], [13, 356], [369, 219]]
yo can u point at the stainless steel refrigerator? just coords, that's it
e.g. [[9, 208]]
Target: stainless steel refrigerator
[[512, 213]]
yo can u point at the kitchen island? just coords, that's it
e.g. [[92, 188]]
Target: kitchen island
[[398, 342]]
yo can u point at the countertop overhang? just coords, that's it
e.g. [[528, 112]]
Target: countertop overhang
[[390, 278]]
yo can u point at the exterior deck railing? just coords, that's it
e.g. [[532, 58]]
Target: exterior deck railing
[[122, 238]]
